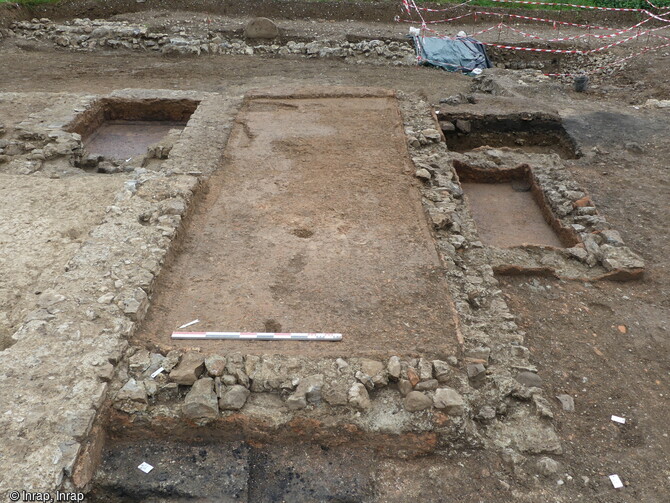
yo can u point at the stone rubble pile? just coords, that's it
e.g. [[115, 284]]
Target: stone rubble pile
[[213, 384], [26, 151], [420, 391], [87, 35]]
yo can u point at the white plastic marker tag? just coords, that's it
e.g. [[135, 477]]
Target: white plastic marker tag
[[620, 420], [156, 372], [145, 467], [616, 481], [190, 323]]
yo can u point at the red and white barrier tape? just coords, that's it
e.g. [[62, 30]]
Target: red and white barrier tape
[[586, 35], [568, 51], [412, 21], [553, 4], [615, 63], [616, 32], [543, 20], [667, 7]]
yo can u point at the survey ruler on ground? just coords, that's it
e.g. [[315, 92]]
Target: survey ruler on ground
[[265, 336]]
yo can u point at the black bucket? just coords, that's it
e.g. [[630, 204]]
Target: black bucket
[[581, 83]]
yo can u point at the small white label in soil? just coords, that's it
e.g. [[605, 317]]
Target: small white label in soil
[[616, 481], [156, 372], [190, 323], [620, 420], [146, 467]]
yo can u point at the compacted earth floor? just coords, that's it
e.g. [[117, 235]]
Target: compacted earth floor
[[314, 226], [606, 344]]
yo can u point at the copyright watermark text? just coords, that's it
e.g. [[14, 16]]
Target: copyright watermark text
[[45, 496]]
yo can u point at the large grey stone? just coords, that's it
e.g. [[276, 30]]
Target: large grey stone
[[189, 369], [567, 402], [618, 257], [393, 367], [463, 126], [216, 365], [416, 401], [261, 27], [200, 402], [450, 400], [529, 379], [335, 392], [371, 367], [132, 391], [428, 385], [425, 369], [308, 390], [358, 396], [442, 370], [234, 398], [476, 374], [404, 386], [547, 466]]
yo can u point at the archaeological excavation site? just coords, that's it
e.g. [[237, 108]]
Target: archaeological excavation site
[[335, 251]]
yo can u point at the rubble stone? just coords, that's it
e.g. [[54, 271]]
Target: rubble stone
[[429, 385], [336, 392], [442, 370], [308, 390], [567, 402], [189, 369], [133, 391], [547, 466], [416, 401], [476, 374], [200, 402], [215, 365], [261, 28], [234, 398], [358, 397], [450, 400], [394, 368], [529, 379], [404, 386], [423, 174]]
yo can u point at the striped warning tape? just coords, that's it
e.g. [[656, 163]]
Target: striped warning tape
[[262, 336], [412, 21], [609, 65], [559, 39], [533, 49], [552, 4], [585, 35], [555, 22], [567, 51], [544, 20], [659, 7]]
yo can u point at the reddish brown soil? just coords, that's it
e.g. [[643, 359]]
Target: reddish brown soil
[[313, 224]]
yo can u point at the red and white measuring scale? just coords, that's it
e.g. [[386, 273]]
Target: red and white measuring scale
[[264, 336]]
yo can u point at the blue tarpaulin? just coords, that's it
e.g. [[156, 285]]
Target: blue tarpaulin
[[461, 54]]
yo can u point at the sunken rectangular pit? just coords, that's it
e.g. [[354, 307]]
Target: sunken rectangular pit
[[119, 129], [510, 209], [533, 132]]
